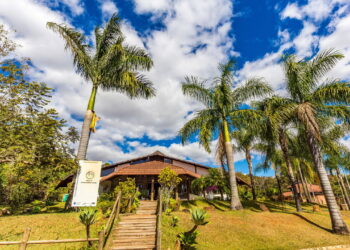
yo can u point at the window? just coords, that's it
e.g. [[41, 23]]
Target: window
[[167, 160], [105, 172]]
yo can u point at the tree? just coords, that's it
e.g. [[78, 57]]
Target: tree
[[244, 139], [223, 110], [112, 65], [88, 217], [168, 180], [35, 142], [199, 185], [310, 103], [217, 179], [6, 45]]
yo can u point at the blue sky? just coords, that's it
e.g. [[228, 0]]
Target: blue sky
[[183, 38]]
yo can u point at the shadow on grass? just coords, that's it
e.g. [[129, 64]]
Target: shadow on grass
[[312, 223], [215, 205], [189, 204]]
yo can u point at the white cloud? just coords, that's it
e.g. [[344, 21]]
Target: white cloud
[[155, 6], [306, 40], [108, 8], [188, 24], [316, 10], [291, 11]]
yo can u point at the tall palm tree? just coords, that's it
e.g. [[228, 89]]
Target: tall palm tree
[[244, 140], [273, 133], [222, 111], [111, 65], [310, 103]]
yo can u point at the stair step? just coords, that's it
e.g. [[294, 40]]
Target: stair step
[[134, 247], [135, 233]]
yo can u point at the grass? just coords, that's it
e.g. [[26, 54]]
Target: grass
[[47, 226], [253, 229]]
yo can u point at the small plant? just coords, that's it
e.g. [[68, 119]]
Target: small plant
[[87, 217], [174, 221], [187, 239], [174, 204], [168, 212]]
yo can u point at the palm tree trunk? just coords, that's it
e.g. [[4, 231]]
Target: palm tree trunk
[[279, 185], [338, 224], [347, 181], [235, 201], [307, 186], [249, 160], [84, 139], [284, 147], [85, 131], [342, 186], [307, 194], [88, 235], [299, 183]]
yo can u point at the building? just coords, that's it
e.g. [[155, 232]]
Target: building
[[146, 170], [315, 193]]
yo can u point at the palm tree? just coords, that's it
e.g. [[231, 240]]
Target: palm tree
[[222, 111], [244, 140], [310, 104], [273, 132], [111, 65]]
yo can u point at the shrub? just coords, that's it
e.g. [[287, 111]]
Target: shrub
[[168, 180], [187, 240], [168, 212], [129, 199], [105, 206], [174, 205]]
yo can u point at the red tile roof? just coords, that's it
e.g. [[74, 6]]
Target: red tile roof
[[148, 168]]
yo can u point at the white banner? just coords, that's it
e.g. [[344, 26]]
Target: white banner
[[87, 183]]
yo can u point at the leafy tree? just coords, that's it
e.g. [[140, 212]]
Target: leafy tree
[[111, 65], [129, 198], [223, 110], [216, 178], [35, 143], [87, 217], [168, 180], [199, 185], [6, 45]]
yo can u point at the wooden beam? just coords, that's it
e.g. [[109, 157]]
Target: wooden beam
[[152, 190]]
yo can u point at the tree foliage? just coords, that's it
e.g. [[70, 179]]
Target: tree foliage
[[35, 143]]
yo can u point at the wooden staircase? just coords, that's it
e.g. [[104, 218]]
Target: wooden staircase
[[137, 231]]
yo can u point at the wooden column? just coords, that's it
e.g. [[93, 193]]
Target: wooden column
[[152, 190], [188, 189], [177, 192]]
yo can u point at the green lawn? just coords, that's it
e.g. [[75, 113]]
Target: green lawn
[[254, 229], [47, 226]]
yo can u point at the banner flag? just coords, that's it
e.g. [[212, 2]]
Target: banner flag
[[87, 184]]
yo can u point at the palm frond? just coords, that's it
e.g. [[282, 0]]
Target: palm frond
[[333, 92], [195, 88], [254, 87], [110, 35], [132, 84], [75, 42], [322, 63]]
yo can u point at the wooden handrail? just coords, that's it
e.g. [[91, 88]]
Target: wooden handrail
[[2, 243], [112, 215], [159, 219]]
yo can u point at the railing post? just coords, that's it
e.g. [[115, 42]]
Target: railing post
[[25, 239], [101, 236], [159, 220]]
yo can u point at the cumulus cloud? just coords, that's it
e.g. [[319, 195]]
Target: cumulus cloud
[[108, 8], [193, 33]]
